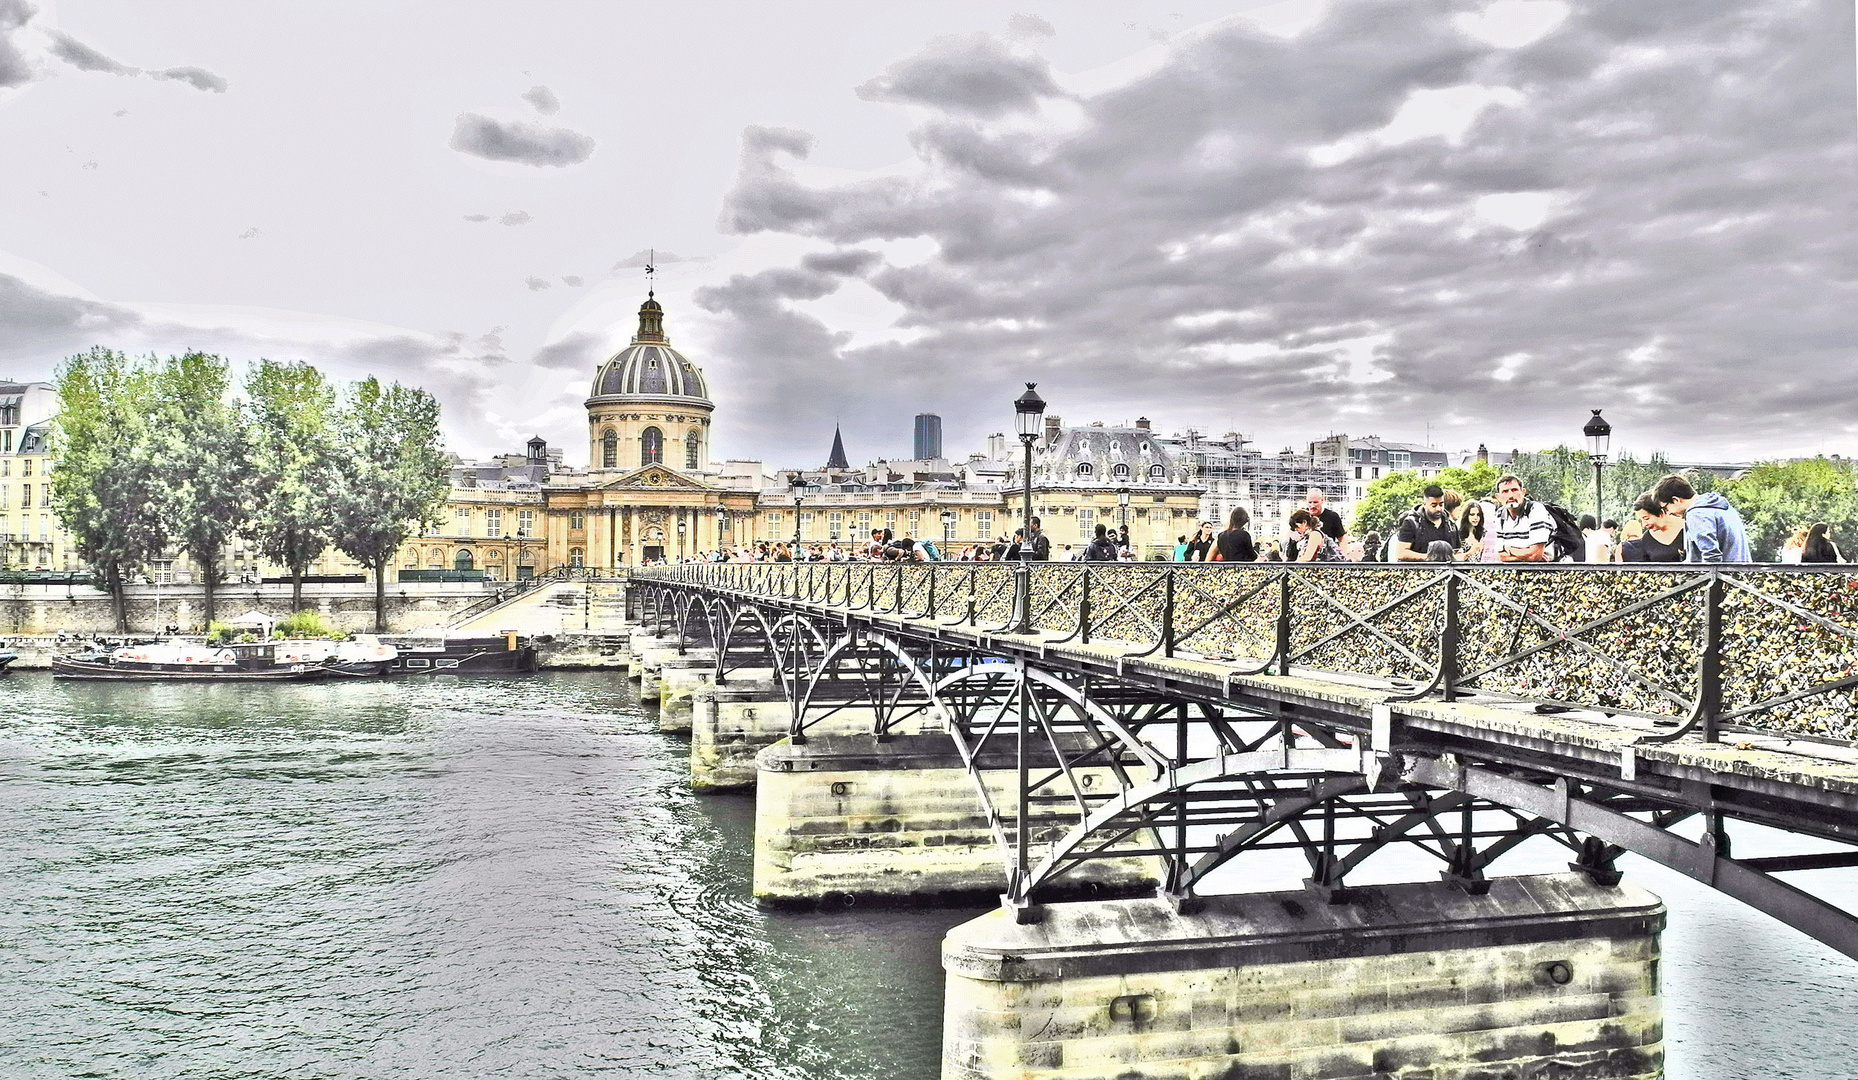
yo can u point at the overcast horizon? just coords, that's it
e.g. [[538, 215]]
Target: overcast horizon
[[1458, 220]]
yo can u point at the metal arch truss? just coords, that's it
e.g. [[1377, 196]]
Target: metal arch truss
[[1106, 768]]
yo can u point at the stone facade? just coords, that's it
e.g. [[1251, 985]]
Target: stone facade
[[1546, 976]]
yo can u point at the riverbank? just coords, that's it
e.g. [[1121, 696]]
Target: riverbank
[[37, 610], [554, 652]]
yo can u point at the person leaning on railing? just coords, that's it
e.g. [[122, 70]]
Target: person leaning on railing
[[1713, 530], [1235, 544], [1312, 544], [1819, 547], [1661, 534], [1523, 526]]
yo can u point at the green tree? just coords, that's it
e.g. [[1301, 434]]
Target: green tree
[[204, 460], [1775, 498], [393, 476], [1565, 476], [106, 480], [292, 413], [1389, 498]]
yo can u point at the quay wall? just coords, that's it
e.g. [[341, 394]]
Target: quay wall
[[81, 609]]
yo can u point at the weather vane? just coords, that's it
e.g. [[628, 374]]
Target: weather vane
[[651, 271]]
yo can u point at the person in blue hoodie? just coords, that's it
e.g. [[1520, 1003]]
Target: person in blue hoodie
[[1713, 531]]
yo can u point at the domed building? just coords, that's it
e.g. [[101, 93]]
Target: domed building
[[649, 404]]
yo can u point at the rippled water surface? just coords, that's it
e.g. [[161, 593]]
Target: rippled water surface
[[510, 878]]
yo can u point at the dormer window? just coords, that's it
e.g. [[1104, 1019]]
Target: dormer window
[[1157, 472], [1085, 469], [1120, 471]]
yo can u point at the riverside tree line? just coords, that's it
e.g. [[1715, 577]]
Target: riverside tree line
[[153, 454]]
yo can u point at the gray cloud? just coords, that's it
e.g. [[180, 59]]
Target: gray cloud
[[477, 217], [198, 78], [638, 260], [573, 281], [85, 58], [578, 351], [851, 263], [1228, 238], [543, 100], [34, 322], [537, 284], [525, 142], [15, 68], [515, 217], [1024, 24], [976, 74]]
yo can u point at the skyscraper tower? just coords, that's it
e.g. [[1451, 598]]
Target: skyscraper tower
[[928, 436]]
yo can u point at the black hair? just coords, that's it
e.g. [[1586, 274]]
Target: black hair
[[1433, 491]]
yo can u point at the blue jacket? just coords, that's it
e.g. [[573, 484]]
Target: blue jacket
[[1713, 531]]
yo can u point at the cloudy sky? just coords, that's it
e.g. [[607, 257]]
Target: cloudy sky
[[1459, 219]]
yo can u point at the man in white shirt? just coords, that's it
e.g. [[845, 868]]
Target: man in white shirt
[[1601, 541], [1523, 526]]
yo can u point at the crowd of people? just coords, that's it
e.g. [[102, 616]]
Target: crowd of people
[[1673, 522]]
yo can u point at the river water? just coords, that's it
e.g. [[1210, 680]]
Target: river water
[[511, 878]]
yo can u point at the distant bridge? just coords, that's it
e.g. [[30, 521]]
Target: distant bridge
[[1338, 710]]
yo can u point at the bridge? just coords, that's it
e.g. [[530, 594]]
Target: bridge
[[1129, 729]]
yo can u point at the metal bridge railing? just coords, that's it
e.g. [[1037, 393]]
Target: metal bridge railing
[[1705, 648]]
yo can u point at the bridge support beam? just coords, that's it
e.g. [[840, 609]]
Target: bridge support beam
[[1541, 976], [848, 819], [730, 724], [679, 678]]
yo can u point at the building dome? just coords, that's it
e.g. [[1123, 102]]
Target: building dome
[[649, 366]]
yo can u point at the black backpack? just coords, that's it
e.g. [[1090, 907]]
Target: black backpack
[[1569, 542]]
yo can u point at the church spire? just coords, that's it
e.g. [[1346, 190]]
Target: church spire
[[651, 322], [837, 459]]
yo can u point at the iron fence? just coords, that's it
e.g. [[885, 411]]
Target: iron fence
[[1704, 648]]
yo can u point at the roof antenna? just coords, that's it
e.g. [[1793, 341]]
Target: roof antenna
[[651, 271]]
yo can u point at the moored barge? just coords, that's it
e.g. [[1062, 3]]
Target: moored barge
[[169, 661], [499, 654]]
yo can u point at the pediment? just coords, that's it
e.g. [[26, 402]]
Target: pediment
[[655, 478]]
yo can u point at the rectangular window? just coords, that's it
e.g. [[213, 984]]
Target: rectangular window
[[774, 523], [806, 525], [4, 504], [916, 522], [6, 464], [890, 521], [1377, 473], [1086, 523], [163, 571], [1399, 459], [25, 467], [835, 525], [25, 496], [525, 523], [1357, 472], [864, 524], [462, 516], [6, 447], [984, 524], [493, 523], [45, 527]]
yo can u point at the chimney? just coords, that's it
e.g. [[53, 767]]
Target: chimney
[[1141, 423], [1053, 425], [1483, 453]]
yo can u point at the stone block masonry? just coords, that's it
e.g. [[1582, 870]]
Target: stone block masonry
[[1543, 977], [848, 819]]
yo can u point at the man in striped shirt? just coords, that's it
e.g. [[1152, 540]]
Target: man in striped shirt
[[1523, 526]]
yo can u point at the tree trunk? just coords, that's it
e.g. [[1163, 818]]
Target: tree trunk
[[113, 581], [211, 566], [296, 588], [380, 594]]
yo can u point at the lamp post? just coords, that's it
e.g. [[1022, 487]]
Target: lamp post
[[1599, 439], [948, 527], [722, 526], [682, 527], [1028, 415], [796, 483], [1122, 507]]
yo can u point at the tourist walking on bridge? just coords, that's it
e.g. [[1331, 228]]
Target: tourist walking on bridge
[[1235, 544], [1523, 526], [1713, 530], [1819, 547]]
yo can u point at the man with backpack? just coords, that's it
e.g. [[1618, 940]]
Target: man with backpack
[[1428, 522], [1525, 529], [1102, 548]]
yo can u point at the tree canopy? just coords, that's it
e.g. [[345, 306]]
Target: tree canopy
[[292, 410], [394, 476], [1775, 498]]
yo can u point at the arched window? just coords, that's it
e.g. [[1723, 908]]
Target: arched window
[[1157, 472], [691, 442], [577, 519], [1120, 471], [435, 559], [651, 447], [609, 450], [1084, 468], [462, 560]]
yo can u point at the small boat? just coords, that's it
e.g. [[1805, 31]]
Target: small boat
[[172, 661], [7, 656], [500, 654], [362, 656]]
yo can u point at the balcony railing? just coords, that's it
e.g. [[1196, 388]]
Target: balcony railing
[[1701, 648]]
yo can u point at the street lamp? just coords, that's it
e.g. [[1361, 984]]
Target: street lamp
[[1122, 507], [948, 526], [1028, 416], [722, 525], [682, 526], [1599, 439], [796, 483]]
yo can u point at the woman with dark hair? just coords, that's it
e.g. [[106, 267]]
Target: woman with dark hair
[[1819, 546], [1313, 545], [1663, 539], [1235, 544], [1200, 548], [1472, 533]]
